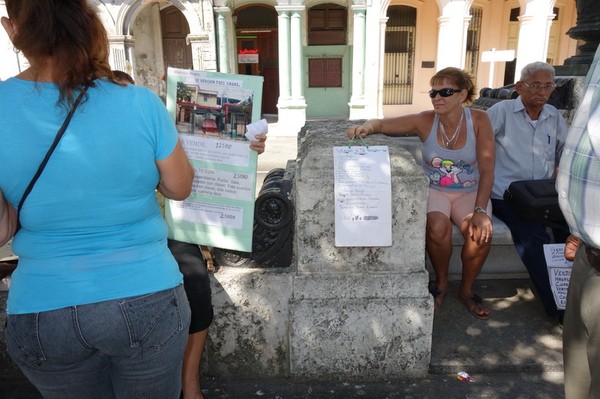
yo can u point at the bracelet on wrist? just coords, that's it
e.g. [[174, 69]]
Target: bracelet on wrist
[[479, 209]]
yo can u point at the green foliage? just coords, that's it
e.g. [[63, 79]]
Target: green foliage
[[183, 92]]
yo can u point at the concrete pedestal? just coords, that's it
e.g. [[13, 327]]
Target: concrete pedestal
[[336, 313]]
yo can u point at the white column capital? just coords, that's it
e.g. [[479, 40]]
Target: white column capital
[[286, 8], [358, 7], [196, 38], [222, 10]]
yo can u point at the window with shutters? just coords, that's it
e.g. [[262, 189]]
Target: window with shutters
[[327, 25], [325, 72], [399, 57], [473, 39]]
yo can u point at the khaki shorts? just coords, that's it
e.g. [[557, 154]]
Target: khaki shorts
[[456, 206]]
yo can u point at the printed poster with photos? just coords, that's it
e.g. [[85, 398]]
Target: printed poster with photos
[[211, 111]]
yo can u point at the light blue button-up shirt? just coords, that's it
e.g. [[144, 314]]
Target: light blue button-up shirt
[[525, 149]]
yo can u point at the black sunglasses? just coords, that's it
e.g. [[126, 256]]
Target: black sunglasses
[[445, 92]]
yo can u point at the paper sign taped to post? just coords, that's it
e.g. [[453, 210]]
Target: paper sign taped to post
[[363, 196], [559, 272]]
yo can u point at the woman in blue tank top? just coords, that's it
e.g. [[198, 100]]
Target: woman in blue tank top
[[458, 158]]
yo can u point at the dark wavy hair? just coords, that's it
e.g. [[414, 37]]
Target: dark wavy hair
[[460, 78], [67, 31]]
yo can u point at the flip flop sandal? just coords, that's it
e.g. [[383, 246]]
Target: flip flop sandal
[[473, 304]]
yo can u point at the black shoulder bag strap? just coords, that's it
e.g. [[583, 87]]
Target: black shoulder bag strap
[[40, 169]]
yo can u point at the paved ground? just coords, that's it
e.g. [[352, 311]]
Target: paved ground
[[516, 353]]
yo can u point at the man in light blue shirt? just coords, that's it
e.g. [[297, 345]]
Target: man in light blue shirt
[[530, 135]]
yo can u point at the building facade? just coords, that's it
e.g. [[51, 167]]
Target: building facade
[[338, 59]]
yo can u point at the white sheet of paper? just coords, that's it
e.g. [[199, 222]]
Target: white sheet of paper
[[363, 196], [559, 272], [256, 128]]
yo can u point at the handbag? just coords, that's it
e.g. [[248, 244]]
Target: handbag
[[7, 266], [536, 201]]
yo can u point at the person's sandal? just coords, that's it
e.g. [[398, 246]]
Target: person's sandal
[[474, 303], [438, 296]]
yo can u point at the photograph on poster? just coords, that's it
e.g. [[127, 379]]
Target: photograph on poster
[[217, 107]]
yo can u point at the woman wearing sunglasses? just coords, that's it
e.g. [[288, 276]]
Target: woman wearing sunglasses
[[458, 158]]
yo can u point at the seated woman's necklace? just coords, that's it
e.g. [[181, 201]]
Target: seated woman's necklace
[[449, 142]]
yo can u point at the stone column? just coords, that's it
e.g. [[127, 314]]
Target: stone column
[[121, 55], [587, 30], [296, 59], [291, 103], [534, 32], [283, 25], [203, 58], [357, 100], [223, 15], [381, 64], [452, 36]]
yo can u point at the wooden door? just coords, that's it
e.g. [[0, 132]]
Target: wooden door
[[177, 53], [267, 67], [270, 90]]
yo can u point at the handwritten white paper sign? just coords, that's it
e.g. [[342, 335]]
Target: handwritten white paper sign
[[363, 196], [559, 272]]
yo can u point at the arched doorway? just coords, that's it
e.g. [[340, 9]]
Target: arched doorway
[[256, 35]]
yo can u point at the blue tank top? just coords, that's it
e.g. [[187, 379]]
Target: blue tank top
[[451, 170]]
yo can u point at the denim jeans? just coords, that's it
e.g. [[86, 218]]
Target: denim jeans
[[529, 239], [125, 348]]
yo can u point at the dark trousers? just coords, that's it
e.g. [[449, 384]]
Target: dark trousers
[[529, 239]]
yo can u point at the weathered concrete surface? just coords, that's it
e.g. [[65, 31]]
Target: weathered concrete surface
[[313, 195], [358, 312], [336, 313], [250, 333]]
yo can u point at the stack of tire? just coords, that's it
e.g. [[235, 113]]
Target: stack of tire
[[273, 234]]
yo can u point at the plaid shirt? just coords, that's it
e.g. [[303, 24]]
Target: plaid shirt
[[578, 182]]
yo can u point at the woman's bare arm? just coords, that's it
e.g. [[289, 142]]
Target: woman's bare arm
[[405, 125], [8, 220], [176, 175]]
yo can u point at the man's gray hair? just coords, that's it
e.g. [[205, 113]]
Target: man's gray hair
[[534, 67]]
